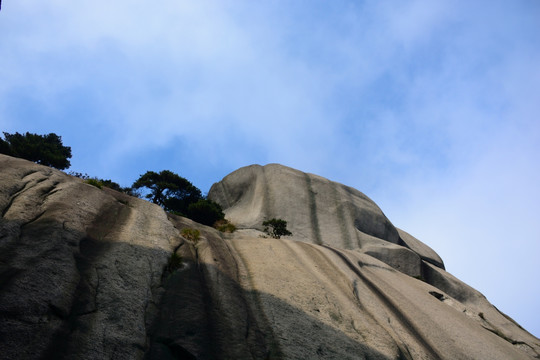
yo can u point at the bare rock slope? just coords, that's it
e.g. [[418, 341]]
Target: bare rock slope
[[86, 273]]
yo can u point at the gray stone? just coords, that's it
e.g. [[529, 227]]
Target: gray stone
[[78, 266], [317, 210], [424, 251], [398, 257]]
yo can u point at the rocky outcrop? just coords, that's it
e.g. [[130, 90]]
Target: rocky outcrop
[[319, 211], [337, 217], [79, 266], [85, 273]]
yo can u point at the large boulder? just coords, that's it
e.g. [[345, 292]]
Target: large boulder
[[319, 211]]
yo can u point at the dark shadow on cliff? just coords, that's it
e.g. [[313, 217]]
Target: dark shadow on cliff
[[194, 325], [206, 314], [68, 295]]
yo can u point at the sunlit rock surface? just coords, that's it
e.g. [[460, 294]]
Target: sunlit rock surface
[[84, 275], [318, 211]]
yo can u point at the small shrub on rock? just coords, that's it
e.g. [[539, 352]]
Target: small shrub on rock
[[205, 212], [191, 234], [94, 182], [79, 175], [225, 226], [276, 228], [175, 262]]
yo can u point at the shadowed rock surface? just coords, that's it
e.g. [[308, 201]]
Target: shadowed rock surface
[[84, 275]]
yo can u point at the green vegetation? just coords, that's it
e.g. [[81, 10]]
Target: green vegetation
[[123, 202], [169, 190], [225, 226], [79, 175], [115, 186], [276, 228], [105, 183], [95, 182], [42, 149], [191, 234], [179, 196], [175, 262], [205, 212]]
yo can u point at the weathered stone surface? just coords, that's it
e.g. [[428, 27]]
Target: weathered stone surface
[[78, 266], [350, 305], [318, 210], [398, 257], [84, 275], [326, 213], [424, 251]]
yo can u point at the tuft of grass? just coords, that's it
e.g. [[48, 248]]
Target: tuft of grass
[[225, 226], [94, 182], [123, 202], [228, 228], [79, 175], [175, 262], [191, 234]]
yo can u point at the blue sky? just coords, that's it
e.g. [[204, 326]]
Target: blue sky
[[430, 108]]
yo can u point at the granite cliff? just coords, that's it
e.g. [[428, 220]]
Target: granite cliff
[[84, 274]]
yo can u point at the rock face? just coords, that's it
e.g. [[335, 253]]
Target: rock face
[[319, 211], [85, 273], [80, 267]]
